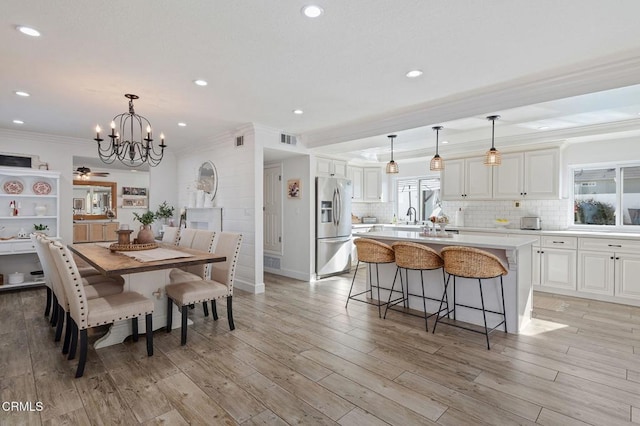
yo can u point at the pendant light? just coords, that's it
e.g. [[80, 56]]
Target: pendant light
[[493, 156], [437, 163], [392, 166]]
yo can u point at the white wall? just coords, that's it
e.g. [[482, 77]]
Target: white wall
[[58, 152], [238, 177]]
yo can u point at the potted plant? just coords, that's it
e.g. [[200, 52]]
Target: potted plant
[[145, 234], [164, 212], [43, 229]]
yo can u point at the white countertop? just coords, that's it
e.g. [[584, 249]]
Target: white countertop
[[497, 242], [515, 231]]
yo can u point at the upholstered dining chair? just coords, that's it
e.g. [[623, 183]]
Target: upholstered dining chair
[[88, 313], [171, 235], [102, 286], [203, 240], [186, 237], [219, 286]]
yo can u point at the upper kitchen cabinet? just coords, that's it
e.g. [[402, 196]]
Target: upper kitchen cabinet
[[332, 168], [531, 175], [367, 183], [466, 179]]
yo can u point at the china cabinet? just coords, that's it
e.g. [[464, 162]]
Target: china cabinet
[[28, 198]]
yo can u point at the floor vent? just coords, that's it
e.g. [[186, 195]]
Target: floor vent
[[288, 139], [272, 262], [239, 141]]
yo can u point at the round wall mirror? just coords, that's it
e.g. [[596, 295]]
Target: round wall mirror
[[208, 179]]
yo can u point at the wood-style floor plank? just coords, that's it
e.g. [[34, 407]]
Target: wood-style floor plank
[[298, 356]]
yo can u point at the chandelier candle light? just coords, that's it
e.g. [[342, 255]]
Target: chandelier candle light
[[437, 163], [493, 156], [131, 149], [392, 166]]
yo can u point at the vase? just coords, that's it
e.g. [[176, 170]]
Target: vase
[[40, 210], [145, 235]]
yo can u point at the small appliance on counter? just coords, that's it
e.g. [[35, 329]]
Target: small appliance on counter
[[369, 220], [531, 222]]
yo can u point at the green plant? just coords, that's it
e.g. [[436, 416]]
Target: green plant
[[594, 212], [164, 211], [146, 218], [40, 227]]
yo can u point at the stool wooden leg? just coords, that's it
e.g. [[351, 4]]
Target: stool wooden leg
[[67, 335], [59, 323], [149, 333], [214, 310], [47, 308], [183, 327], [205, 308], [444, 294], [230, 313], [391, 292], [484, 314], [378, 285], [83, 353], [169, 314], [134, 328], [424, 301], [405, 298], [444, 280], [74, 340]]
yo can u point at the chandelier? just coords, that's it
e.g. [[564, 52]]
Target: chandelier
[[126, 140]]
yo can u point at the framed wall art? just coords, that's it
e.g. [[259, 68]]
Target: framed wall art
[[294, 188]]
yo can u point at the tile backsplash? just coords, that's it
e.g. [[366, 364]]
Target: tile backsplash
[[482, 214]]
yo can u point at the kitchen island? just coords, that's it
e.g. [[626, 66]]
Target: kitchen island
[[514, 252]]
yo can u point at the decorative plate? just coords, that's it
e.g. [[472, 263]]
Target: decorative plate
[[41, 188], [13, 187]]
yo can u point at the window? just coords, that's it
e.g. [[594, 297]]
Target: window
[[418, 198], [607, 196]]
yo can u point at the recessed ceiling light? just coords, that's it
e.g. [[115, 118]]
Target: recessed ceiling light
[[414, 73], [543, 127], [21, 93], [444, 142], [28, 31], [312, 11], [200, 82], [181, 124], [18, 122], [298, 111]]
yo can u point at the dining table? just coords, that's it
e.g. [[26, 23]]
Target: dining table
[[145, 272]]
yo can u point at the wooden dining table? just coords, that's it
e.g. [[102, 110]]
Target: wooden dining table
[[145, 277]]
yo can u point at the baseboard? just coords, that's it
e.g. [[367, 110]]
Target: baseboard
[[255, 288], [290, 274]]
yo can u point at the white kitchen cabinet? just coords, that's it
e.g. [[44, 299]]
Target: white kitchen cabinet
[[531, 175], [466, 179], [609, 267], [36, 196], [557, 263], [372, 190], [366, 182], [331, 167], [356, 174]]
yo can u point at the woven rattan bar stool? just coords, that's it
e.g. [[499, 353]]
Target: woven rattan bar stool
[[468, 262], [372, 252], [416, 257]]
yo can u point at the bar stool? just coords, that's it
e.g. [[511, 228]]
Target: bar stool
[[372, 252], [415, 257], [468, 262]]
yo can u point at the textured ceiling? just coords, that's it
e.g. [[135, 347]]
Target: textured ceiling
[[263, 59]]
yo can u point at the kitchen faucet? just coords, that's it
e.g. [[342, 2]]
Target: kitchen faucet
[[415, 215]]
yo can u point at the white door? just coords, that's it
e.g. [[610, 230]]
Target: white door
[[595, 272], [452, 180], [541, 179], [272, 213], [508, 177], [558, 268], [627, 273]]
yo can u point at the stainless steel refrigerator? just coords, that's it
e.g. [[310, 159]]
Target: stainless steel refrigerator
[[333, 226]]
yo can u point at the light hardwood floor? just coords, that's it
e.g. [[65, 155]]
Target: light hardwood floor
[[298, 356]]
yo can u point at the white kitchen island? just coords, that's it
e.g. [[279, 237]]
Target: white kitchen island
[[514, 252]]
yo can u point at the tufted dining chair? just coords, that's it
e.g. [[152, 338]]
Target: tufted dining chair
[[219, 286], [95, 286], [87, 313], [186, 237], [171, 235]]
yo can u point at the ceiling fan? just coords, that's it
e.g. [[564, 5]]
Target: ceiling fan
[[85, 173]]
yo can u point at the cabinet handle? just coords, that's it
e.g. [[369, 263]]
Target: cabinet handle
[[525, 193], [611, 257], [617, 258], [558, 242], [614, 245]]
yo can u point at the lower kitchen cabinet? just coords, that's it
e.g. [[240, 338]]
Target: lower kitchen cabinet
[[95, 231], [609, 267], [558, 268]]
